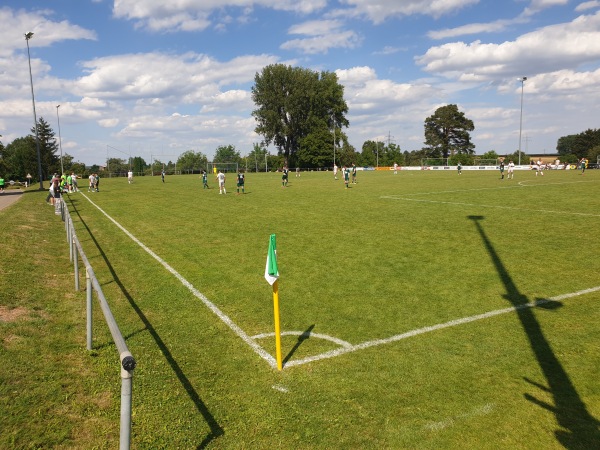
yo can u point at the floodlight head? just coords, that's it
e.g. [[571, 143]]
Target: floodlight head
[[28, 36]]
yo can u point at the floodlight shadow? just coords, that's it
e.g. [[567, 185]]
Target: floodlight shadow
[[579, 428]]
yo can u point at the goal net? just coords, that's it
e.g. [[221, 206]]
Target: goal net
[[434, 162], [215, 167], [486, 162]]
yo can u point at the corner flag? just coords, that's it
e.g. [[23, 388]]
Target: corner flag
[[271, 271]]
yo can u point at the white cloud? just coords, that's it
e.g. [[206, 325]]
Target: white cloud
[[194, 15], [108, 123], [547, 49], [587, 5], [380, 10], [322, 36], [46, 31]]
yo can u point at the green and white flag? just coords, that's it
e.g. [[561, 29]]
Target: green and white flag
[[271, 271]]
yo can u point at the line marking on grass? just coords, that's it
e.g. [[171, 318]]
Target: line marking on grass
[[512, 208], [220, 314], [520, 184], [440, 326], [479, 411]]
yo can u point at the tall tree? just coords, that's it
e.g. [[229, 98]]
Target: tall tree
[[138, 165], [191, 161], [20, 157], [48, 148], [227, 154], [447, 132], [293, 102]]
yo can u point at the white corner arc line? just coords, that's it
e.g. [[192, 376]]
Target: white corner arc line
[[234, 327], [440, 326], [325, 337]]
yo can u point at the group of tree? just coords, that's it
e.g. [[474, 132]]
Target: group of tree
[[582, 145]]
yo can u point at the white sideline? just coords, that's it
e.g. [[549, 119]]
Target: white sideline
[[236, 329], [345, 347]]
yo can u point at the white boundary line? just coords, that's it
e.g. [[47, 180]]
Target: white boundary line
[[236, 329], [512, 208], [520, 184], [345, 347]]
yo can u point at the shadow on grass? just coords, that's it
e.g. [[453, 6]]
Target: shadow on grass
[[304, 336], [580, 428], [215, 428]]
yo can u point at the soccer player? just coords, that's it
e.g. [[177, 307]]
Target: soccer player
[[335, 171], [74, 181], [353, 173], [92, 185], [1, 184], [130, 176], [240, 182], [582, 165], [205, 179], [511, 170], [284, 177], [221, 180], [297, 172], [502, 169], [162, 175], [459, 167], [346, 173], [539, 168], [395, 168]]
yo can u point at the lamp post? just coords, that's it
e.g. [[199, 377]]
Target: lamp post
[[62, 169], [522, 80], [333, 125], [37, 141]]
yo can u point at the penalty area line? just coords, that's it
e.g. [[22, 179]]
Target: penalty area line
[[440, 326], [220, 314]]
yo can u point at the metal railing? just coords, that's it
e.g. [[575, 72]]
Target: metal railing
[[128, 363]]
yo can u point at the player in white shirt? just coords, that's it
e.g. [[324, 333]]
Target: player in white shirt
[[539, 168], [130, 177], [221, 180], [511, 169]]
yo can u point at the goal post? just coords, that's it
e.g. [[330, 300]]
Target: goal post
[[214, 167]]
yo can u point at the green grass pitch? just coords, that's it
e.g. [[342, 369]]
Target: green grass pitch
[[408, 310]]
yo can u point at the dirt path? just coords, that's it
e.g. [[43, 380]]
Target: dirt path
[[9, 197]]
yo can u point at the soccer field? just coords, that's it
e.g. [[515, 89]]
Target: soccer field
[[418, 310]]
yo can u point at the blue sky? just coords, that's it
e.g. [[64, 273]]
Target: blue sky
[[155, 78]]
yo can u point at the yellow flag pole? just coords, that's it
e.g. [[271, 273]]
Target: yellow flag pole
[[277, 327]]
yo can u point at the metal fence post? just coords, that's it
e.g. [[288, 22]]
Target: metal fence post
[[127, 366], [75, 264], [88, 289]]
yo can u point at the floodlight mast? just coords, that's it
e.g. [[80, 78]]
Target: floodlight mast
[[62, 169], [522, 80], [28, 36]]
